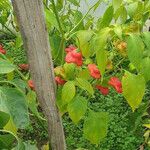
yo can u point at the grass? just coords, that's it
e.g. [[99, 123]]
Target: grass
[[121, 135]]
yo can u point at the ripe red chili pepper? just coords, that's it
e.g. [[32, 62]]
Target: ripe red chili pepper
[[31, 84], [94, 71], [24, 67], [70, 48], [74, 57], [2, 50], [116, 84], [103, 90], [59, 80]]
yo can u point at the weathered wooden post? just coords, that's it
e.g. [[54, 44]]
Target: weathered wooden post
[[30, 16]]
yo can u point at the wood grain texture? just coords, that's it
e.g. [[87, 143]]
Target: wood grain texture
[[30, 16]]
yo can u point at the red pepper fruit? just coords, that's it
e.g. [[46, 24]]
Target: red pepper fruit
[[31, 85], [24, 67], [94, 72], [70, 48], [103, 90], [116, 84], [59, 80], [74, 57], [2, 50]]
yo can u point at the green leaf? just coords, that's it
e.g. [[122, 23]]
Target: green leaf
[[101, 58], [84, 74], [116, 4], [146, 37], [95, 126], [68, 91], [77, 17], [77, 108], [11, 127], [107, 18], [6, 141], [121, 14], [4, 118], [100, 40], [10, 76], [18, 42], [32, 103], [21, 84], [6, 67], [147, 125], [131, 9], [145, 68], [99, 44], [62, 105], [51, 19], [118, 31], [55, 42], [59, 4], [13, 102], [84, 84], [5, 8], [133, 89], [84, 37], [69, 70], [135, 50], [97, 4], [74, 2]]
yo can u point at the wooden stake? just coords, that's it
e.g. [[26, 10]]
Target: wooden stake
[[30, 16]]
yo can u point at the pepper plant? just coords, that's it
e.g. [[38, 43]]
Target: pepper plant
[[108, 53]]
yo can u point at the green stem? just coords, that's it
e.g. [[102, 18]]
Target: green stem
[[47, 2], [63, 53], [81, 20], [120, 62], [64, 8], [57, 17], [71, 35], [22, 76], [61, 30]]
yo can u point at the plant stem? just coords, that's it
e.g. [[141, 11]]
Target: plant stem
[[120, 62], [47, 2], [61, 30], [81, 19], [22, 76], [63, 53], [57, 17]]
